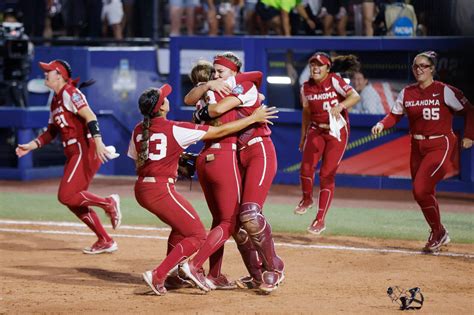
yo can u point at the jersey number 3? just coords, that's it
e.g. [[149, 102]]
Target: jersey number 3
[[158, 146], [431, 113]]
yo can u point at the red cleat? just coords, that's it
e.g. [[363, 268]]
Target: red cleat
[[247, 282], [317, 227], [196, 275], [158, 286], [303, 206], [436, 240], [100, 247], [113, 211], [220, 283]]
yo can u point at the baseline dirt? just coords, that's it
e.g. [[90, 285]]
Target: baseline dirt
[[47, 273]]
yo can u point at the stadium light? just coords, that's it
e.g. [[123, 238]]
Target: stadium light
[[278, 80]]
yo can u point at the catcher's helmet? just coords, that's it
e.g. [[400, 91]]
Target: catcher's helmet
[[411, 299]]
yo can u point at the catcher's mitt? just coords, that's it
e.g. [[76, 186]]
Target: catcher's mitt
[[187, 164]]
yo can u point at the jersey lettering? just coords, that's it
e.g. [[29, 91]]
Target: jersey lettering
[[321, 96]]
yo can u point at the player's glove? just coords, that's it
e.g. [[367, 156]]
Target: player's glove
[[187, 164]]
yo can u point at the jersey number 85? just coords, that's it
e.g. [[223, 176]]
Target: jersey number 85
[[431, 113]]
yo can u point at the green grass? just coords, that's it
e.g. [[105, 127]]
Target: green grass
[[378, 223]]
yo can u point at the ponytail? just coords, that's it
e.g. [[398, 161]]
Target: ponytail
[[86, 83], [146, 103], [144, 143], [345, 63]]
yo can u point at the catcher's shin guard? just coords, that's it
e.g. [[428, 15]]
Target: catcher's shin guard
[[260, 233], [249, 254]]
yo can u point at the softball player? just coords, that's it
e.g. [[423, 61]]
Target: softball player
[[325, 94], [429, 106], [73, 119], [156, 145], [258, 163], [221, 188]]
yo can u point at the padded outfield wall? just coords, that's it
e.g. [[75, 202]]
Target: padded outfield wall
[[122, 73]]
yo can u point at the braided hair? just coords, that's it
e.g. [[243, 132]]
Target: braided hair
[[147, 103]]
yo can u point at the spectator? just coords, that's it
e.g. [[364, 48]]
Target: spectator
[[143, 17], [112, 15], [364, 13], [303, 17], [127, 22], [250, 16], [396, 19], [334, 10], [10, 16], [34, 16], [54, 23], [177, 7], [275, 14], [74, 17], [224, 9], [374, 98], [93, 18]]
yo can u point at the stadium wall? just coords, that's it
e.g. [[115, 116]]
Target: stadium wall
[[123, 72]]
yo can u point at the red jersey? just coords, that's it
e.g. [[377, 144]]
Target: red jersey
[[248, 94], [322, 96], [63, 117], [167, 141], [430, 110], [231, 115]]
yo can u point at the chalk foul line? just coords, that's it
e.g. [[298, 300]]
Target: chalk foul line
[[165, 238]]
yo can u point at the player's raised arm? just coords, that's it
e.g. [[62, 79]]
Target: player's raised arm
[[262, 114]]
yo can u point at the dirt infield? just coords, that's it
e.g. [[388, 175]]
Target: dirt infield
[[44, 271]]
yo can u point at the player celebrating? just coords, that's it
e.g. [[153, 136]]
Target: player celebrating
[[221, 188], [73, 119], [156, 145], [429, 106], [258, 164], [325, 97]]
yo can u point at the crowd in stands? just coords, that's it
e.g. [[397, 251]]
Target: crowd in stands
[[120, 19]]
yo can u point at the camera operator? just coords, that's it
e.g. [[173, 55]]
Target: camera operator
[[16, 54]]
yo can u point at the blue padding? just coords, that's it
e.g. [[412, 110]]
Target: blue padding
[[123, 72], [35, 117]]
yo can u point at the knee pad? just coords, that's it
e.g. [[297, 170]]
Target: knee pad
[[252, 219], [241, 237]]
